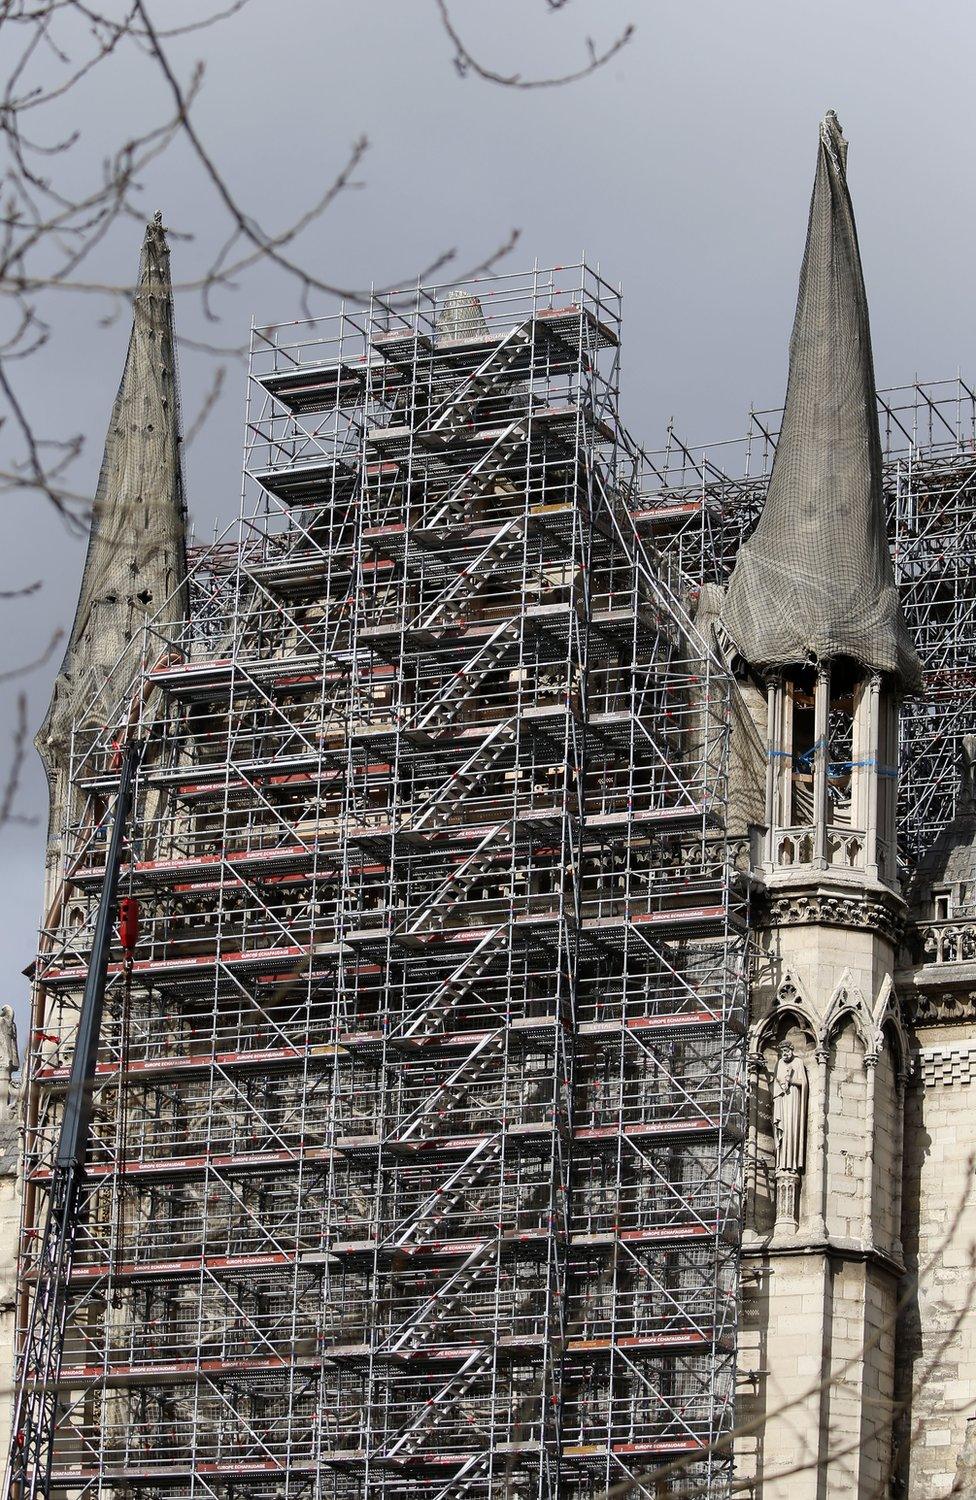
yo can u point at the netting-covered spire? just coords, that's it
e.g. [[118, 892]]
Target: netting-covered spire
[[815, 580], [460, 317], [136, 561]]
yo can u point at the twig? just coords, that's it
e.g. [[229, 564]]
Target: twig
[[16, 764], [39, 661], [465, 62]]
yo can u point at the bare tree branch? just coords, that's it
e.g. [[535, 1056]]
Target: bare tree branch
[[9, 793], [465, 62], [209, 402], [22, 593], [49, 229], [39, 661]]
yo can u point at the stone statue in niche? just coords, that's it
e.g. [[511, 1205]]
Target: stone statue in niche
[[790, 1109], [967, 772], [790, 1089]]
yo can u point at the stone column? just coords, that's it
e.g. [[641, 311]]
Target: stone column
[[871, 741], [867, 1223], [816, 1153], [787, 1198], [755, 1064], [777, 763], [901, 1083], [821, 712]]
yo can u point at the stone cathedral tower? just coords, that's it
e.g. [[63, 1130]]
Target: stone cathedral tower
[[813, 628]]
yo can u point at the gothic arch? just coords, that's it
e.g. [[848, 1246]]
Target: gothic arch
[[847, 1003], [888, 1024], [791, 999]]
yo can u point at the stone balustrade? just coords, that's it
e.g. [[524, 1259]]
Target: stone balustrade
[[844, 848], [951, 942]]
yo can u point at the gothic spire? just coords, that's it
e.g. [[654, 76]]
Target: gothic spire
[[815, 580], [136, 561]]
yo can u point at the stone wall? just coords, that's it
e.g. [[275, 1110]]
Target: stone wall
[[888, 1120], [937, 1343], [846, 1133], [862, 1318], [780, 1343]]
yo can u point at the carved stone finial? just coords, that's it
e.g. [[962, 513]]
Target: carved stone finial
[[9, 1061], [832, 135]]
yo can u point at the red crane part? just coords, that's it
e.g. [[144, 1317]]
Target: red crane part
[[128, 923]]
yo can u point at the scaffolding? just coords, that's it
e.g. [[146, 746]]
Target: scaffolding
[[416, 1168], [700, 503]]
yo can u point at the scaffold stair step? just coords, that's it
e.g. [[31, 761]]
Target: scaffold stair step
[[496, 373]]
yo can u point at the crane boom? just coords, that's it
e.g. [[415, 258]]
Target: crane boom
[[29, 1465]]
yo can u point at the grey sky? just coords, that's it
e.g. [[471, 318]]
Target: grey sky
[[684, 168]]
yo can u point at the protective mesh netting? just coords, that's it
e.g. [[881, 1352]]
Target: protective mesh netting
[[137, 543], [815, 580]]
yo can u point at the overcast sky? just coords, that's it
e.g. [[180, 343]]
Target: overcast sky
[[684, 167]]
